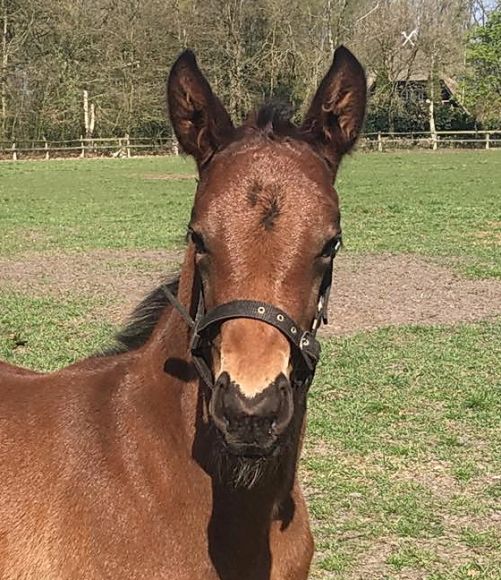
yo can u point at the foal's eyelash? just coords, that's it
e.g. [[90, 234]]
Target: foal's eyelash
[[331, 248], [197, 239]]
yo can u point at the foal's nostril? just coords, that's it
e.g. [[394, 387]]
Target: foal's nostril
[[223, 381], [216, 405]]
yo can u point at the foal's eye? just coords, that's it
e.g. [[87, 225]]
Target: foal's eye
[[198, 240], [331, 248]]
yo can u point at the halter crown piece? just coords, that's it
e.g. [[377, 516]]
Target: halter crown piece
[[306, 348]]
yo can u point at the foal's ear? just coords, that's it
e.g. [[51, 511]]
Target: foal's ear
[[336, 114], [198, 117]]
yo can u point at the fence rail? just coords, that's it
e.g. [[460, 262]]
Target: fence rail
[[87, 147], [438, 140], [132, 147]]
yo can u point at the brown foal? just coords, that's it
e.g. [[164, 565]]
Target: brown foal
[[128, 465]]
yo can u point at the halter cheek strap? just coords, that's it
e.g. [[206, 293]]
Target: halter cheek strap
[[306, 348]]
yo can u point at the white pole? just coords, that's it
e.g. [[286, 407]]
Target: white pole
[[86, 111]]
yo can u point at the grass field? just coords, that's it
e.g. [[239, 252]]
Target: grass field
[[402, 464], [442, 204]]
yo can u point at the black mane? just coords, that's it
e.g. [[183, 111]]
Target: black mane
[[274, 120], [276, 116], [143, 319]]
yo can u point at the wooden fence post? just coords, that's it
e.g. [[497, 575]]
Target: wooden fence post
[[434, 141], [487, 140], [82, 145], [127, 145], [379, 142], [14, 152], [46, 147]]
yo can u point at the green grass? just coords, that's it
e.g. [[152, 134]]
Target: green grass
[[443, 204], [45, 333], [79, 205], [403, 453], [398, 456]]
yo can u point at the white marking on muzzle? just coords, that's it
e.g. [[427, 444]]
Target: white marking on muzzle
[[252, 379]]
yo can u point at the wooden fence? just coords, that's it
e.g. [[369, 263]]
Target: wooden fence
[[125, 147], [434, 141], [119, 147]]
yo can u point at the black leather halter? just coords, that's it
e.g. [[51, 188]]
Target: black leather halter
[[306, 348]]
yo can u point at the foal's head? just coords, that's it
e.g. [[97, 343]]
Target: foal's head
[[264, 225]]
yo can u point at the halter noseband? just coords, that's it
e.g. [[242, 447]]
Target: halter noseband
[[306, 348]]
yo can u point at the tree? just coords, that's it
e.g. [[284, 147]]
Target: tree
[[252, 50], [482, 83]]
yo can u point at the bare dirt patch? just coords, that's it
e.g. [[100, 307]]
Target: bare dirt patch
[[118, 279], [433, 475], [369, 291], [372, 563]]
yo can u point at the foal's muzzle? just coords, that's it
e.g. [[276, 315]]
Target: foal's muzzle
[[251, 426]]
